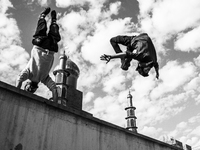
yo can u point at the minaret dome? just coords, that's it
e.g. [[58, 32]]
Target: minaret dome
[[74, 71]]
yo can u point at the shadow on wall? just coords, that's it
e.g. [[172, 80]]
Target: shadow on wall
[[18, 147]]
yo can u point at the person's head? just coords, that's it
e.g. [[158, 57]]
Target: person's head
[[144, 68], [31, 86]]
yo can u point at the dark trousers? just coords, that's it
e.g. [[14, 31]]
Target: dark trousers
[[123, 40], [41, 30], [126, 41]]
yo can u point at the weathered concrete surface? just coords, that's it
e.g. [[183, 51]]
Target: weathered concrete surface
[[30, 122]]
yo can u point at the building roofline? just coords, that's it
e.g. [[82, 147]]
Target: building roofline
[[80, 113]]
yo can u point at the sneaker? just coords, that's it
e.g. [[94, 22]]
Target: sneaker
[[31, 87], [45, 12], [53, 16], [126, 63]]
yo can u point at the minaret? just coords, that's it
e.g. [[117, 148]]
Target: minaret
[[61, 75], [66, 76], [131, 118]]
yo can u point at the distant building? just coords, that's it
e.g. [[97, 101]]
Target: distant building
[[131, 118], [66, 76], [176, 143]]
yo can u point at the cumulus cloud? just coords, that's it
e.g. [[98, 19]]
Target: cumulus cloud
[[12, 56], [88, 97], [187, 131], [193, 84], [197, 61], [173, 75], [189, 41], [67, 3], [106, 108], [164, 19], [155, 112], [5, 5], [114, 82], [30, 4], [43, 2], [151, 131]]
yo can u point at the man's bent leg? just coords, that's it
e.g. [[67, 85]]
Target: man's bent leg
[[24, 75], [52, 87], [54, 32], [124, 40], [41, 28], [114, 42], [54, 28]]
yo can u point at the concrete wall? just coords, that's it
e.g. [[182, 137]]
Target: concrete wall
[[30, 122]]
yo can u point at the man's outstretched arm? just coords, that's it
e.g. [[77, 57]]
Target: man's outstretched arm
[[118, 55], [109, 57]]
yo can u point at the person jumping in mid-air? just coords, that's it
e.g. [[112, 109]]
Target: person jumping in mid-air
[[42, 55], [139, 48]]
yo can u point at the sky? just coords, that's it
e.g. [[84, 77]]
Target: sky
[[165, 108]]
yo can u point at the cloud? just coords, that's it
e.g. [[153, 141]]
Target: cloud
[[196, 131], [143, 86], [106, 108], [177, 17], [114, 82], [88, 97], [43, 3], [187, 131], [197, 61], [145, 6], [189, 41], [155, 112], [182, 125], [5, 4], [172, 76], [67, 3], [151, 131], [30, 4], [193, 85], [165, 19], [13, 57], [91, 3]]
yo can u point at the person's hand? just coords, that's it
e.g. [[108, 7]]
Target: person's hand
[[106, 58]]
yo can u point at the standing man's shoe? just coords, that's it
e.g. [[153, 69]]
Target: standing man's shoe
[[45, 12]]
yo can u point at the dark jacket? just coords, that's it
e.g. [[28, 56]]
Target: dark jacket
[[145, 50], [46, 42]]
